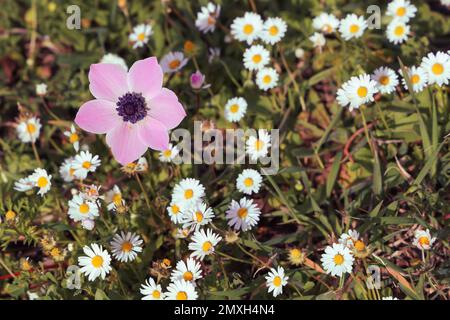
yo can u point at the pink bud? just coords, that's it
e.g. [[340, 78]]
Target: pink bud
[[197, 80]]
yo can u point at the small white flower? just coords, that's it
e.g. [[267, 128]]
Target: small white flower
[[235, 109], [81, 209], [181, 290], [401, 10], [175, 212], [114, 59], [213, 54], [437, 67], [66, 170], [389, 298], [88, 224], [276, 280], [418, 78], [151, 291], [114, 198], [126, 246], [188, 271], [299, 53], [74, 138], [203, 243], [188, 192], [273, 31], [258, 147], [243, 215], [247, 28], [249, 181], [326, 23], [357, 91], [386, 79], [347, 239], [140, 35], [266, 78], [41, 180], [352, 26], [317, 39], [207, 18], [197, 216], [397, 31], [173, 62], [169, 154], [337, 260], [28, 130], [41, 89], [96, 263], [84, 163], [24, 184], [256, 57], [423, 239]]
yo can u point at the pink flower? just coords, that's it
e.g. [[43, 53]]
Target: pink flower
[[197, 80], [133, 108]]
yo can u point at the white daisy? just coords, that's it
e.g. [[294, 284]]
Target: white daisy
[[81, 209], [207, 18], [169, 154], [437, 66], [266, 78], [389, 298], [114, 59], [187, 271], [66, 170], [243, 215], [188, 192], [352, 26], [84, 163], [173, 62], [357, 91], [24, 184], [114, 198], [326, 23], [418, 78], [247, 28], [276, 280], [140, 35], [126, 246], [348, 238], [258, 147], [423, 239], [74, 138], [92, 193], [141, 164], [175, 212], [41, 89], [386, 79], [28, 130], [256, 57], [203, 243], [273, 31], [401, 10], [181, 290], [96, 263], [197, 216], [337, 260], [445, 3], [151, 291], [249, 181], [317, 39], [88, 224], [397, 31], [41, 180], [235, 109]]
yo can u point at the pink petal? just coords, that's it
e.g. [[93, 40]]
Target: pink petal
[[108, 81], [125, 143], [146, 77], [166, 108], [154, 134], [98, 116]]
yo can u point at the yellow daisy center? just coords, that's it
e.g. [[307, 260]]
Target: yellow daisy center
[[338, 259], [248, 182], [97, 261], [55, 252], [359, 245], [259, 144], [266, 79], [399, 31], [156, 294], [401, 11], [242, 213], [327, 28], [31, 128], [141, 36], [86, 164], [188, 276], [295, 253], [248, 29], [384, 80], [73, 138], [273, 30], [362, 92], [181, 295], [71, 171], [175, 209], [167, 153], [42, 182], [188, 194], [276, 281], [84, 208], [424, 241], [415, 79], [199, 216], [117, 199], [10, 215], [207, 246], [127, 246], [211, 20], [257, 58], [174, 64], [234, 108], [354, 28], [437, 68]]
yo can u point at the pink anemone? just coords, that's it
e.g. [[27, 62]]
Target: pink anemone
[[133, 108]]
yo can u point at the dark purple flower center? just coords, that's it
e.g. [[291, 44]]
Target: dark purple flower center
[[132, 107]]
